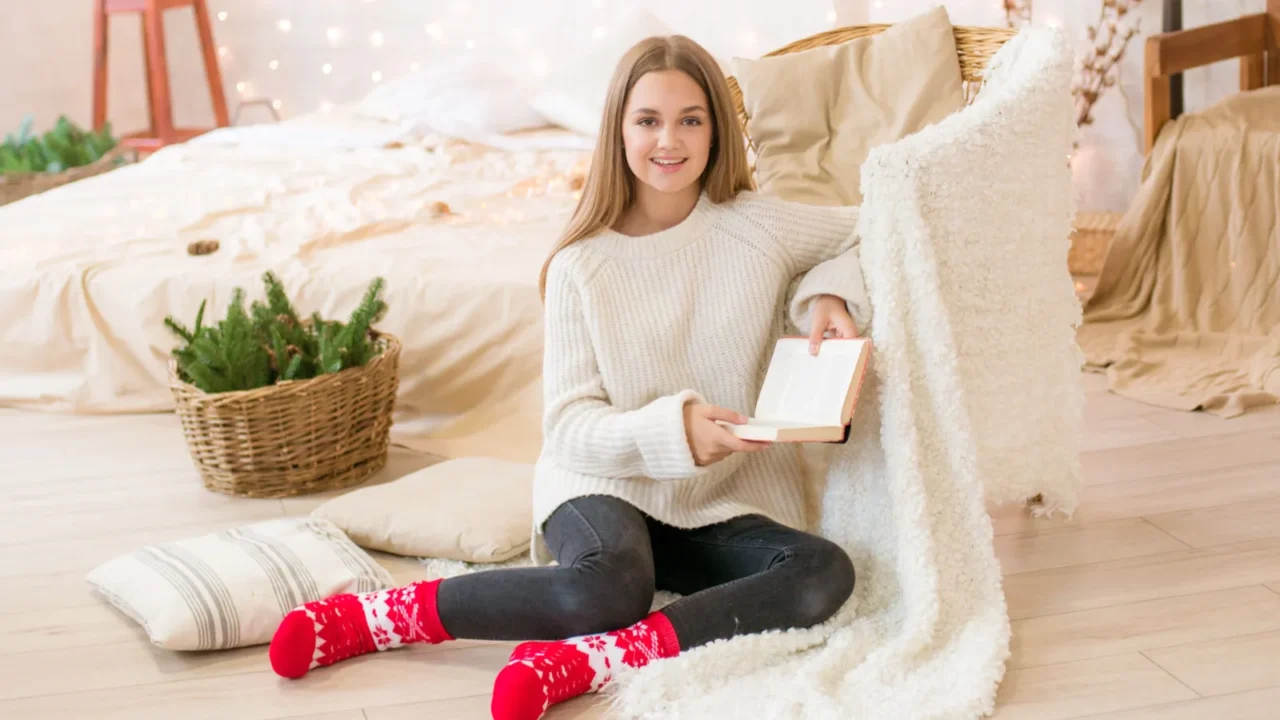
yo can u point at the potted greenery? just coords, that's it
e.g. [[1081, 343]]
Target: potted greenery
[[274, 405], [31, 163]]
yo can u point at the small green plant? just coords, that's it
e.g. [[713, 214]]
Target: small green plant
[[64, 147], [269, 342]]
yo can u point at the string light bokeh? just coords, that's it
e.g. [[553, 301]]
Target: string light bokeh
[[322, 53], [304, 56]]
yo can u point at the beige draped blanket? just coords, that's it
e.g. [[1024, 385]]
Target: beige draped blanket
[[1186, 313]]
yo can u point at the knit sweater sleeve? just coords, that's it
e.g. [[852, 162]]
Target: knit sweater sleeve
[[823, 243], [582, 430]]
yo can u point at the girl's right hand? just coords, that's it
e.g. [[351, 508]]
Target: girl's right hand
[[710, 442]]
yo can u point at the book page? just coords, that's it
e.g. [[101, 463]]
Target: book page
[[775, 423], [800, 388]]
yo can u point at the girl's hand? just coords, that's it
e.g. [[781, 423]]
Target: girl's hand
[[710, 442], [830, 313]]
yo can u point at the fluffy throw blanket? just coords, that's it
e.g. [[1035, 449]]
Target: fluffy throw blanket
[[974, 395], [1186, 314]]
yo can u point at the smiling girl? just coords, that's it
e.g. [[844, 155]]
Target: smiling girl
[[664, 298]]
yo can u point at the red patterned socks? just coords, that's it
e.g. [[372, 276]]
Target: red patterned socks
[[326, 631], [537, 676], [541, 674]]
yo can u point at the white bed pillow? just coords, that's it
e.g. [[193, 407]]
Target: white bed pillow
[[231, 588], [574, 93], [467, 97]]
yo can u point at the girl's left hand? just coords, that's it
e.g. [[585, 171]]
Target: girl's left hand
[[830, 314]]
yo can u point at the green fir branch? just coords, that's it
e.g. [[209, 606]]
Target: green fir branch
[[61, 148], [268, 343]]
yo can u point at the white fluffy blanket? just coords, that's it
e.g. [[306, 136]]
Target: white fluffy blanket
[[975, 394]]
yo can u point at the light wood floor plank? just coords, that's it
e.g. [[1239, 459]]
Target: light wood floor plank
[[1122, 431], [150, 442], [1070, 690], [1181, 456], [48, 591], [587, 707], [126, 664], [1164, 622], [1251, 705], [1150, 496], [66, 628], [463, 708], [1079, 544], [1205, 527], [1197, 424], [74, 552], [1094, 384], [1101, 404], [122, 664], [1227, 665], [254, 694], [1184, 572], [164, 510]]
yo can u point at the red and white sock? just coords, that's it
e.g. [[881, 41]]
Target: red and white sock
[[327, 631], [541, 674]]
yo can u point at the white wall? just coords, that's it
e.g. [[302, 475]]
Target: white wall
[[46, 50]]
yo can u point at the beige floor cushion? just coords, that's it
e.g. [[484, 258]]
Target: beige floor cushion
[[814, 115], [231, 588], [473, 509]]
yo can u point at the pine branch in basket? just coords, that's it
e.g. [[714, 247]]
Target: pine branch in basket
[[269, 343], [61, 148]]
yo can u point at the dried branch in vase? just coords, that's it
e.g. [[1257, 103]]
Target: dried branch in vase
[[1097, 69], [1017, 13]]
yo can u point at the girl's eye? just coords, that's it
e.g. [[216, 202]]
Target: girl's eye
[[693, 121], [646, 121]]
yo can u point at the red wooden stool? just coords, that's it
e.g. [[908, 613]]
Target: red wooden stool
[[161, 131]]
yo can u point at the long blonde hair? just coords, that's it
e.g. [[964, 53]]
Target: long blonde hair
[[609, 188]]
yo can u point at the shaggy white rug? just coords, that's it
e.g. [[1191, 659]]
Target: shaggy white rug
[[974, 395]]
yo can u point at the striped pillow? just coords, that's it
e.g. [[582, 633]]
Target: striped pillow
[[231, 588]]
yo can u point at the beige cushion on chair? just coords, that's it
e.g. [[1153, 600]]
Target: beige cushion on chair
[[814, 115], [473, 509]]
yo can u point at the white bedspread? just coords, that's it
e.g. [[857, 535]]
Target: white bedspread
[[92, 269]]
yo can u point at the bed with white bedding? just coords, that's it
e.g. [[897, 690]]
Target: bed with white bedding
[[327, 202]]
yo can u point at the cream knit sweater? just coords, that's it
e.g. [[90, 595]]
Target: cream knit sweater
[[638, 326]]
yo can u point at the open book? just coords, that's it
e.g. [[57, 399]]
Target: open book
[[808, 398]]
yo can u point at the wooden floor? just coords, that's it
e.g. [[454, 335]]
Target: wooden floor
[[1161, 599]]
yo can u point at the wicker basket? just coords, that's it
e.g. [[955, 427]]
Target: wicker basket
[[16, 186], [1091, 241], [295, 437], [974, 45]]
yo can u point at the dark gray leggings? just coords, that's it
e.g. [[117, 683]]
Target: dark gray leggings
[[745, 575]]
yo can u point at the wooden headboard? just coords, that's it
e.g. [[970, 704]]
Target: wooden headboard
[[1255, 39]]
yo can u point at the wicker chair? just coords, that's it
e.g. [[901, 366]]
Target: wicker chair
[[974, 45]]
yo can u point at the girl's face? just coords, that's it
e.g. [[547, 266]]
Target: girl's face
[[666, 130]]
